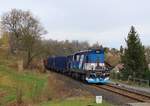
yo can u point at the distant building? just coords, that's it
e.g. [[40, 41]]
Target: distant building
[[118, 67], [149, 66]]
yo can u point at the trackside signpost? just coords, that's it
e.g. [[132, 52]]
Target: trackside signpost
[[98, 99]]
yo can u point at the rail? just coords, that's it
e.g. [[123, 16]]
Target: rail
[[124, 92]]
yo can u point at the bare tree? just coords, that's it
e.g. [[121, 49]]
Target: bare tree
[[25, 32]]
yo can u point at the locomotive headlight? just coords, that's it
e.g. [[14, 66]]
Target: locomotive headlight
[[106, 78], [92, 67]]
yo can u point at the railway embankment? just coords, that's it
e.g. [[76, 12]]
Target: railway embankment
[[112, 97], [41, 89]]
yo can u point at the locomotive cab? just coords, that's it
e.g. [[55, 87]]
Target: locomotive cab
[[96, 70]]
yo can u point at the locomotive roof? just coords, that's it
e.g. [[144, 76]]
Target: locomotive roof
[[88, 51]]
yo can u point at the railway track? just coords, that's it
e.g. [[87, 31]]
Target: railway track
[[124, 92]]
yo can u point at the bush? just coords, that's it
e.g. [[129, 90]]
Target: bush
[[147, 75]]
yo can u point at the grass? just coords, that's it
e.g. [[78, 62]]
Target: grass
[[30, 84], [75, 102]]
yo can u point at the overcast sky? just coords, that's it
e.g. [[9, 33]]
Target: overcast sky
[[105, 21]]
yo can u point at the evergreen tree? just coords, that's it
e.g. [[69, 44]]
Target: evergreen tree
[[134, 56]]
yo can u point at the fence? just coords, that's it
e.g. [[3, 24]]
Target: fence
[[131, 80], [139, 81]]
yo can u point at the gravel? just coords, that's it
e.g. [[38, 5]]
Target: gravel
[[108, 96]]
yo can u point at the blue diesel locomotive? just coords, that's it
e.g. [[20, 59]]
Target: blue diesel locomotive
[[86, 65]]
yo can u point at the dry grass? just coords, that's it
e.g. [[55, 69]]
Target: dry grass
[[61, 87]]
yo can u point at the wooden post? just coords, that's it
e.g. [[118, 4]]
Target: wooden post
[[129, 78]]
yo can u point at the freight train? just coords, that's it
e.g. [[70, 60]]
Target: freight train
[[88, 65]]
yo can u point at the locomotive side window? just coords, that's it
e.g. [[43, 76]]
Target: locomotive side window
[[77, 57], [81, 57], [81, 60], [74, 57]]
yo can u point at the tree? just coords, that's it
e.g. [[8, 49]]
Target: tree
[[121, 49], [134, 56], [147, 53], [24, 31], [114, 51], [96, 46], [112, 58], [4, 40]]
